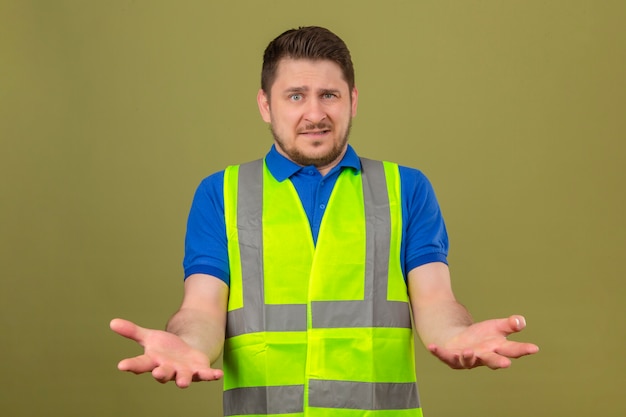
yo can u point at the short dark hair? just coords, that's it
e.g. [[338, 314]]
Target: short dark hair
[[310, 42]]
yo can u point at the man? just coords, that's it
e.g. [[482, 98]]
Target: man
[[304, 267]]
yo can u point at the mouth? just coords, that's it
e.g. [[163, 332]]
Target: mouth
[[315, 133], [315, 130]]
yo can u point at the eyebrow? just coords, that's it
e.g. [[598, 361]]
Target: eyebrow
[[331, 91], [296, 89], [304, 89]]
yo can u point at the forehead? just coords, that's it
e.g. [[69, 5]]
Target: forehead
[[310, 73]]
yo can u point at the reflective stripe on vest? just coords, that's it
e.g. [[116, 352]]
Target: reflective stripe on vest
[[374, 311], [327, 394]]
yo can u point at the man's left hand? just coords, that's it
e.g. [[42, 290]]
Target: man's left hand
[[485, 344]]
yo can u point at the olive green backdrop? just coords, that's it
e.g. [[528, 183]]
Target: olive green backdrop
[[113, 111]]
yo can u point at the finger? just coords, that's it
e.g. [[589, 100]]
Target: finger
[[442, 354], [511, 324], [138, 364], [494, 361], [183, 379], [163, 373], [446, 356], [467, 359], [516, 323], [128, 329], [516, 350], [208, 374]]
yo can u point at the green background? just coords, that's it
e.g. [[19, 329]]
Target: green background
[[113, 111]]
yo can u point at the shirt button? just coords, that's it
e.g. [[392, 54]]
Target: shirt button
[[322, 206]]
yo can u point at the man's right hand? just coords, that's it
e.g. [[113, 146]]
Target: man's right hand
[[165, 355]]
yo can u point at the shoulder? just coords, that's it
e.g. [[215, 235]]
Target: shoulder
[[412, 175], [417, 190], [210, 192], [213, 180], [414, 181], [212, 183]]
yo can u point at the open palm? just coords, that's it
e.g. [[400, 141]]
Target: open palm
[[165, 355], [484, 344]]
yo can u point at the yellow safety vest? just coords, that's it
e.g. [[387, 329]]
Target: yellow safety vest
[[317, 330]]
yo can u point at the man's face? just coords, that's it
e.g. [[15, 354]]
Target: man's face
[[310, 110]]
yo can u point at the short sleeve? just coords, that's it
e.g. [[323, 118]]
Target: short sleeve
[[206, 247], [425, 238]]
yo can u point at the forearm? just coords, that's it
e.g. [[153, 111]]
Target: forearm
[[438, 316], [201, 318], [438, 321], [201, 331]]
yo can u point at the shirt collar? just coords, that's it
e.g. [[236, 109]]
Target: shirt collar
[[282, 168]]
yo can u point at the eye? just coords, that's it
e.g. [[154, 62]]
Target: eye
[[295, 97], [329, 95]]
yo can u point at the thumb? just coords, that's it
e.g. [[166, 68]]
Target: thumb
[[513, 324], [128, 329]]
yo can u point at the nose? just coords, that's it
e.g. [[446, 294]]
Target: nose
[[314, 111]]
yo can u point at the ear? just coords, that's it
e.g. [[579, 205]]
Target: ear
[[264, 105], [355, 100]]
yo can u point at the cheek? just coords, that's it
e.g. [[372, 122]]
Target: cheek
[[287, 119]]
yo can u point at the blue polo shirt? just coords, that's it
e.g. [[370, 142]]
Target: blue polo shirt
[[424, 236]]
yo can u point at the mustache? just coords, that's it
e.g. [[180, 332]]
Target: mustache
[[316, 126]]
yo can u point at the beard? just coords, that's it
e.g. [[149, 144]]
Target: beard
[[317, 161]]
